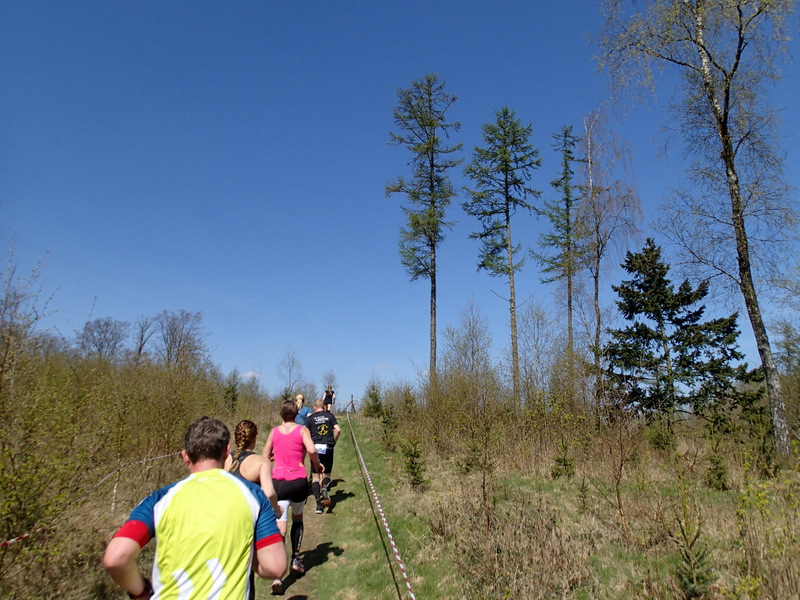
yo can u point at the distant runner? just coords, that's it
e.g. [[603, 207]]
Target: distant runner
[[329, 398], [325, 432], [302, 411]]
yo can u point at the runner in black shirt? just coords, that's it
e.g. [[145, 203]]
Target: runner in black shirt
[[329, 398], [325, 432]]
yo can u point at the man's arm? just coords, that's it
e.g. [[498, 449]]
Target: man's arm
[[271, 561], [120, 562], [336, 433], [311, 449]]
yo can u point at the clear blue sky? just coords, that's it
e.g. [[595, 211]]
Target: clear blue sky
[[230, 158]]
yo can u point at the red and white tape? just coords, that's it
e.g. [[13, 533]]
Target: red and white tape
[[380, 511]]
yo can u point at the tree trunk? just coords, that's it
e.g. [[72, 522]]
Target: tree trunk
[[512, 303], [432, 368], [720, 109]]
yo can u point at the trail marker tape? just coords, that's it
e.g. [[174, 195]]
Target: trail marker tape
[[382, 514]]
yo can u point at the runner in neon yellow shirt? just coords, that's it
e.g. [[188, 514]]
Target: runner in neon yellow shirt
[[212, 528]]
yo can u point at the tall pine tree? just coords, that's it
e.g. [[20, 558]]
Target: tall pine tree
[[563, 246], [421, 118], [501, 171]]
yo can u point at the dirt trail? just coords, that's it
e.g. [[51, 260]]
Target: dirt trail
[[341, 549], [319, 553]]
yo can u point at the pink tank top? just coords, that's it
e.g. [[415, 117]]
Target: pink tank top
[[289, 453]]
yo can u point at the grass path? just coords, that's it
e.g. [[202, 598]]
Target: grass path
[[342, 550]]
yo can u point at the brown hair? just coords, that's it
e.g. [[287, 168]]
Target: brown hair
[[288, 410], [206, 438], [244, 436]]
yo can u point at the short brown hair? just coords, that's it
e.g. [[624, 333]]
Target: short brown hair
[[206, 438], [288, 410]]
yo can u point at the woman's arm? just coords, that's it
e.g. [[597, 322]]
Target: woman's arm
[[266, 453], [308, 443], [265, 479]]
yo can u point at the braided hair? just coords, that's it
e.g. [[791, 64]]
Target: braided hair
[[244, 436]]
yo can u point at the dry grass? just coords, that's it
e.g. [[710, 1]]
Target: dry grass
[[633, 522]]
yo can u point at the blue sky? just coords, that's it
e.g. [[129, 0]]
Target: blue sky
[[230, 158]]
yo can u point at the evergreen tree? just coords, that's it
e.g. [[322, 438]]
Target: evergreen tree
[[668, 357], [565, 237], [501, 171], [740, 208], [421, 118]]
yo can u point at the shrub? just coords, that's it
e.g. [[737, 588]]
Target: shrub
[[372, 403], [414, 465], [564, 464], [717, 473], [660, 436]]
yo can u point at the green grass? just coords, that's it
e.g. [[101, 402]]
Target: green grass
[[370, 573], [347, 558]]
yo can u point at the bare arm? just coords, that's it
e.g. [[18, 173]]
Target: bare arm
[[271, 561], [266, 453], [337, 431], [120, 562], [308, 443], [265, 479]]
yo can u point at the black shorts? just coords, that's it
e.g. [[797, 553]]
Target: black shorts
[[327, 461], [294, 490]]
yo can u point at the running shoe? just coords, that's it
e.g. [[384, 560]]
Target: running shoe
[[326, 497], [319, 508], [277, 588], [297, 565]]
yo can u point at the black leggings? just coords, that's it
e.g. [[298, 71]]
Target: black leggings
[[294, 490]]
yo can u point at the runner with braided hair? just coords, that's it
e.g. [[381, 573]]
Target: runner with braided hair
[[249, 466]]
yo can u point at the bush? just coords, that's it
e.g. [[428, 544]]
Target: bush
[[564, 464], [372, 403], [414, 465], [717, 473], [659, 436]]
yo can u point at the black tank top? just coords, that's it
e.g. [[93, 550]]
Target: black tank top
[[239, 460]]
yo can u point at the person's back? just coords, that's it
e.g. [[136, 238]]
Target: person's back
[[302, 415], [202, 520], [289, 454], [210, 527], [237, 465], [321, 424], [328, 398], [325, 432], [302, 411]]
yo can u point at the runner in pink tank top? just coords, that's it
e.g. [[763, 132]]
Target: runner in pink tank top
[[287, 446], [289, 453]]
